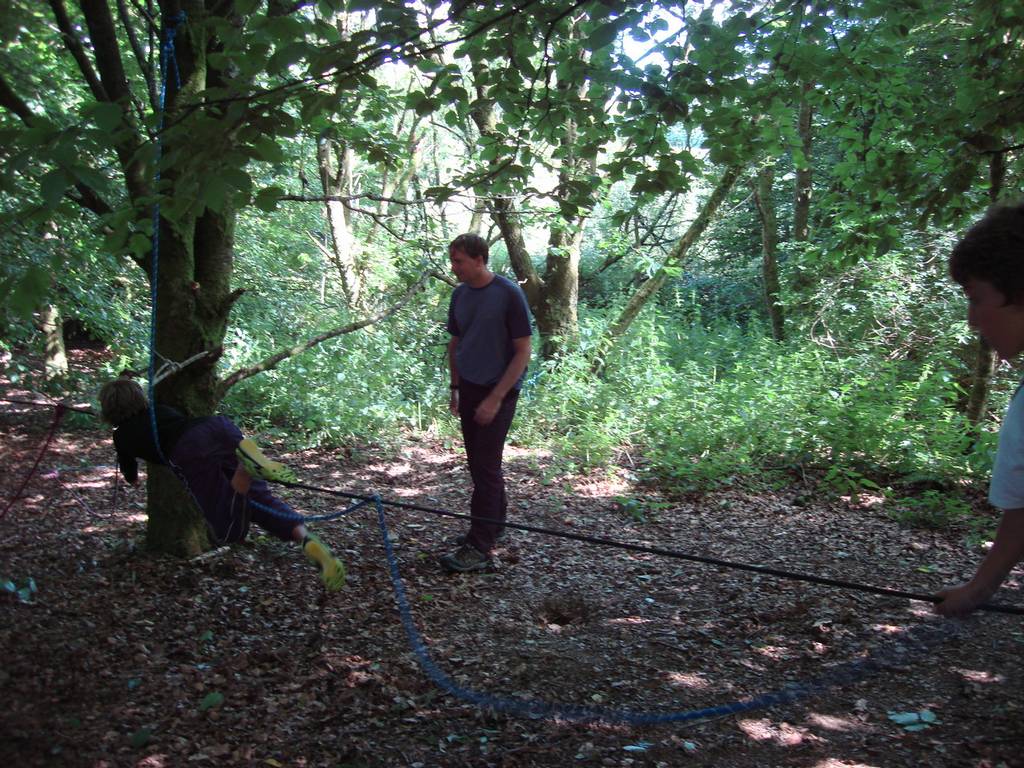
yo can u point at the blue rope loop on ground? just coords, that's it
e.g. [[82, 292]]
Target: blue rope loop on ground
[[918, 639]]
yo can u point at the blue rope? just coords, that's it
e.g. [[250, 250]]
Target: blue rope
[[167, 60], [918, 638]]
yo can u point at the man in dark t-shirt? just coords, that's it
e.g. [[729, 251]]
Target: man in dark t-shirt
[[489, 323]]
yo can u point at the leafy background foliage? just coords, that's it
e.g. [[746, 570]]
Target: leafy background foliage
[[659, 99]]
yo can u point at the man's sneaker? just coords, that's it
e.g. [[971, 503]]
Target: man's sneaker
[[462, 538], [465, 559], [258, 465]]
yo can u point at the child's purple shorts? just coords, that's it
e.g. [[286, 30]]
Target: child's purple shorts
[[205, 455]]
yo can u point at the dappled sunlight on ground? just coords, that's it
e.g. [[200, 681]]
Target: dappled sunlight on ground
[[980, 676], [690, 680], [629, 620], [154, 761], [773, 652], [782, 734], [834, 723], [397, 470], [888, 629]]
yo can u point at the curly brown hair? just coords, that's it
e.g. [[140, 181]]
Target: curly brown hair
[[121, 399], [993, 250]]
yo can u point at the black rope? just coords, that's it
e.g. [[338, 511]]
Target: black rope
[[672, 553], [776, 572], [65, 406]]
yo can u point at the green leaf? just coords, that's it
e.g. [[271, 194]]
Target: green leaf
[[211, 700], [426, 106], [268, 149], [139, 244], [215, 190], [603, 36], [108, 116], [440, 194], [53, 186], [141, 737], [267, 198], [288, 55], [246, 7], [237, 179], [29, 292]]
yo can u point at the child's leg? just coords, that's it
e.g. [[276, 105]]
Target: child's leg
[[280, 520]]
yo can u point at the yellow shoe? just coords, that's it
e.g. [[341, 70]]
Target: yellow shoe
[[258, 465], [332, 571]]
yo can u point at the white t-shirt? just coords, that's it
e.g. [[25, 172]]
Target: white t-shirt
[[1006, 491]]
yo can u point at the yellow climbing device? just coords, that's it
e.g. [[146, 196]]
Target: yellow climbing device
[[258, 465], [332, 571]]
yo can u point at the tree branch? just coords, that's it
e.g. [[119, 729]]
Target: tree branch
[[103, 34], [10, 101], [74, 46], [273, 360], [140, 54]]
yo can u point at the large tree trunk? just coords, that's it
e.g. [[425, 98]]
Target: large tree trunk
[[981, 377], [55, 358], [194, 300], [174, 524], [193, 262], [985, 356], [769, 238], [652, 285], [556, 316], [335, 161]]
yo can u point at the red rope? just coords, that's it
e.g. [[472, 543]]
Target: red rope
[[58, 414]]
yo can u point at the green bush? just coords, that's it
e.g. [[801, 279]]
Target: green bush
[[930, 509]]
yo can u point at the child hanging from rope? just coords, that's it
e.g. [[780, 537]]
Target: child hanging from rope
[[988, 263], [224, 472]]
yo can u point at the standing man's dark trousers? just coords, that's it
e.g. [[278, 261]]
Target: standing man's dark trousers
[[484, 447]]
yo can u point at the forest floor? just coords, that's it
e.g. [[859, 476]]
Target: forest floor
[[125, 658]]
